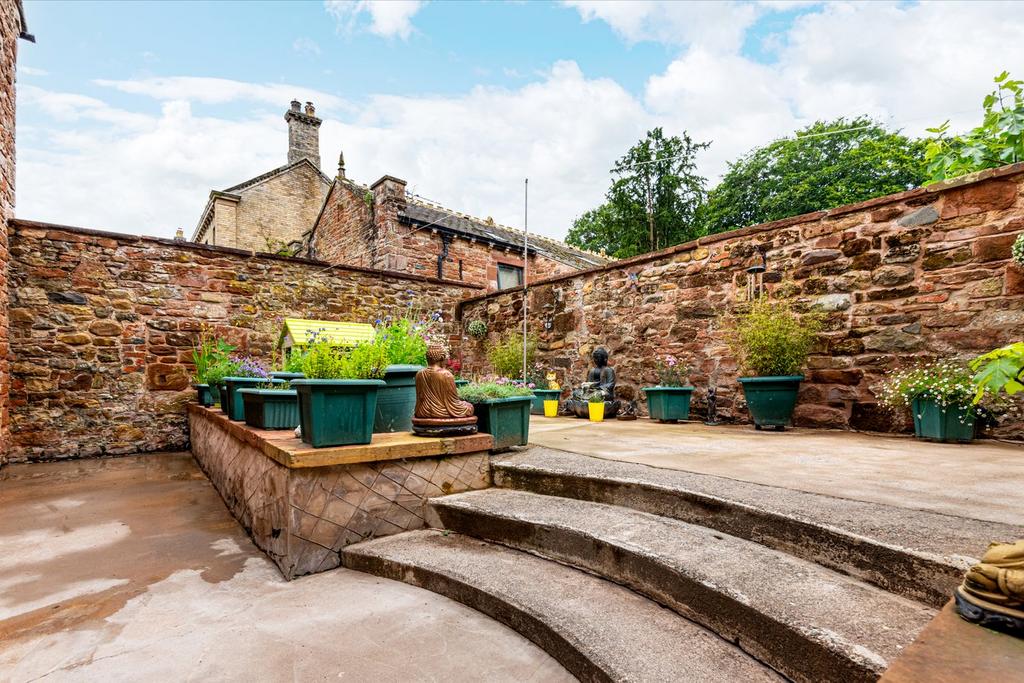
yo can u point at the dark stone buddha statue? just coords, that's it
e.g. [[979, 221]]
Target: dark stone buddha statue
[[601, 378]]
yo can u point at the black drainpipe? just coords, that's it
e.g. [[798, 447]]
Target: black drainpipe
[[445, 241]]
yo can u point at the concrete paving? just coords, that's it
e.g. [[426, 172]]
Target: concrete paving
[[981, 480], [132, 569]]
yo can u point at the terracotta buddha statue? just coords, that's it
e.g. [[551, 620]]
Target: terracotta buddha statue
[[439, 410], [601, 378], [992, 593]]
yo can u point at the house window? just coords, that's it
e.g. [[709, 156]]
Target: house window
[[509, 276]]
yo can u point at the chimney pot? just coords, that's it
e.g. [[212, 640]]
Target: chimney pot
[[310, 111], [295, 105]]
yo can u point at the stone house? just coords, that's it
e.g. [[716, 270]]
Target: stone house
[[385, 227], [271, 211]]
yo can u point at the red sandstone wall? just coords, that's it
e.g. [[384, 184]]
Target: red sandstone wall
[[102, 327], [919, 274], [10, 27], [345, 232]]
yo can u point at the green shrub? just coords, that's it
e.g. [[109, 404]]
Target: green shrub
[[506, 357], [404, 342], [480, 392], [364, 361], [223, 368], [293, 363], [771, 339], [208, 353]]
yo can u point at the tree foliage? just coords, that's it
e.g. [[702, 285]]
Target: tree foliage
[[652, 202], [824, 165], [998, 141]]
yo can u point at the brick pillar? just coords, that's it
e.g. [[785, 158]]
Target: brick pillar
[[10, 28], [388, 201]]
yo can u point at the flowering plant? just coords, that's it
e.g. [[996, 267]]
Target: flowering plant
[[247, 366], [506, 382], [477, 329], [1018, 250], [671, 373], [947, 382], [483, 391]]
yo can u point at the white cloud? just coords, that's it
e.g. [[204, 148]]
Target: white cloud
[[31, 71], [715, 25], [387, 19], [219, 90], [306, 46]]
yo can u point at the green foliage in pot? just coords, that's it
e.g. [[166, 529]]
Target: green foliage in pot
[[207, 353], [595, 397], [293, 363], [770, 339], [998, 371], [1018, 250], [363, 361], [671, 373], [215, 374], [947, 382], [477, 329], [506, 356], [483, 391]]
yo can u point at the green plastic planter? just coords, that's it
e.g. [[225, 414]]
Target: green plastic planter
[[286, 376], [235, 409], [215, 394], [270, 408], [937, 423], [396, 402], [541, 395], [222, 395], [668, 404], [771, 400], [337, 412], [507, 420], [203, 395], [462, 382]]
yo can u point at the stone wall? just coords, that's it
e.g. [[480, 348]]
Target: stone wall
[[10, 27], [102, 327], [919, 274]]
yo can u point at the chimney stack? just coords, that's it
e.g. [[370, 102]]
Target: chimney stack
[[303, 133]]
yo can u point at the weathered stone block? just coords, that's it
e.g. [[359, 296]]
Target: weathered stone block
[[993, 195]]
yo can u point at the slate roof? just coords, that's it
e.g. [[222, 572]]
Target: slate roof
[[419, 211]]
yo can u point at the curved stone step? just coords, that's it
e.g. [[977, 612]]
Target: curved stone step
[[596, 629], [920, 555], [806, 621]]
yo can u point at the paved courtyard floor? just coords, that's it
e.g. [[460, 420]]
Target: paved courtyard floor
[[131, 569], [983, 480]]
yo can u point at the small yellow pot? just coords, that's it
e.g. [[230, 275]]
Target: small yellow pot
[[596, 412], [550, 408]]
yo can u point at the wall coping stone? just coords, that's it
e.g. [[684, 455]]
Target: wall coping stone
[[640, 259], [20, 223], [282, 446]]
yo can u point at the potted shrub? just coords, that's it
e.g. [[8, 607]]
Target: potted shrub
[[502, 409], [215, 380], [595, 406], [772, 342], [292, 366], [208, 354], [669, 401], [270, 406], [940, 398], [405, 341], [249, 373], [338, 396]]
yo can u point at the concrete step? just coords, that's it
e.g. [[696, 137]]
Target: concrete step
[[920, 555], [806, 621], [598, 630]]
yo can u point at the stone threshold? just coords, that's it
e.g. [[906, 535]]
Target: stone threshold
[[284, 448]]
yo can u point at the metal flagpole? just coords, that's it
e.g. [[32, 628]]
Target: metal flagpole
[[526, 261]]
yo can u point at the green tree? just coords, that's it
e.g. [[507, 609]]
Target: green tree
[[824, 165], [999, 140], [652, 202]]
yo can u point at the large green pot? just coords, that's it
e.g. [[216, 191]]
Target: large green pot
[[937, 423], [270, 408], [235, 409], [771, 400], [337, 412], [462, 382], [541, 395], [396, 402], [507, 420], [222, 395], [203, 395], [668, 404]]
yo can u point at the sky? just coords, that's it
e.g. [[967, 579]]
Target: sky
[[130, 113]]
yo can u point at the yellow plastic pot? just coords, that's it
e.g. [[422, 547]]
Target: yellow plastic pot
[[596, 411], [550, 408]]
